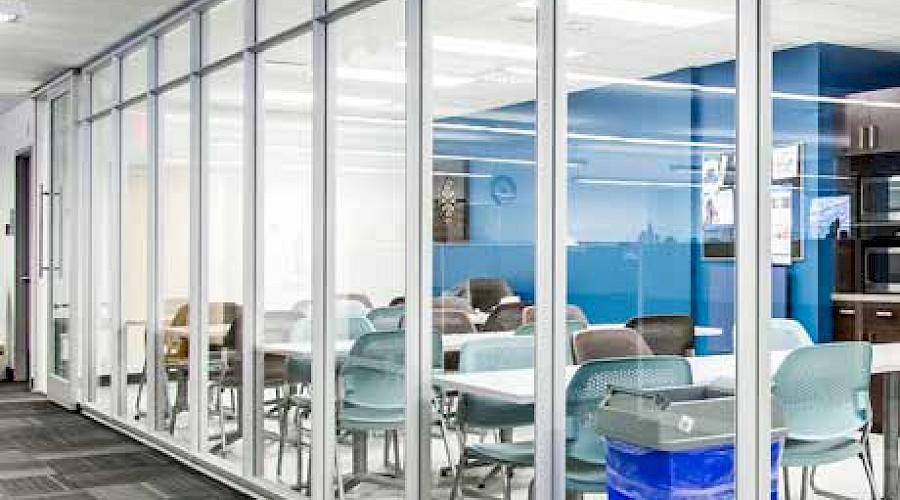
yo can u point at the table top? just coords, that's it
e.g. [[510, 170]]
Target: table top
[[214, 329], [517, 386]]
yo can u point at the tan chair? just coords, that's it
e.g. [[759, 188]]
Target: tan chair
[[573, 313], [599, 343], [666, 333], [451, 303]]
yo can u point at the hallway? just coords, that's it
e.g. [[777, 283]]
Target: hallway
[[47, 452]]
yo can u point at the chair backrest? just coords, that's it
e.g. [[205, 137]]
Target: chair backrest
[[590, 386], [573, 313], [485, 293], [451, 321], [373, 373], [666, 333], [504, 317], [345, 307], [823, 390], [449, 302], [353, 327], [600, 343], [397, 301], [491, 355], [387, 319], [787, 334], [277, 325], [363, 299], [224, 313]]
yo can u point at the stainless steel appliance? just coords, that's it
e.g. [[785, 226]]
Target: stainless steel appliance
[[882, 269], [880, 198]]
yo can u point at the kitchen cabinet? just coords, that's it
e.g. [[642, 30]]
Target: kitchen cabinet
[[871, 321], [873, 129]]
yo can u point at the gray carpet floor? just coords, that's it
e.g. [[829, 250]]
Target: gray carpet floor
[[48, 452]]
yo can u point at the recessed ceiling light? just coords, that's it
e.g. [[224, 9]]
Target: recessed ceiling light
[[639, 12], [11, 10]]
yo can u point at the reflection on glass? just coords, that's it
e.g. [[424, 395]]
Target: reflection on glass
[[134, 73], [651, 199], [174, 53], [174, 262], [223, 30], [484, 216], [135, 247], [275, 16], [285, 137], [62, 212], [223, 161], [835, 225], [368, 148], [103, 252]]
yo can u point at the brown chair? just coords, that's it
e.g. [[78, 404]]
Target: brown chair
[[504, 317], [599, 343], [573, 313], [484, 294], [666, 333]]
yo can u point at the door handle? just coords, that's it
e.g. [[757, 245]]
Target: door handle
[[25, 279], [847, 312], [884, 314], [873, 136], [862, 137]]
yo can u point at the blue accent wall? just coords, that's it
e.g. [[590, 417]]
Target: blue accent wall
[[634, 235]]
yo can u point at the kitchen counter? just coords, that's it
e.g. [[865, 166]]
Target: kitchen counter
[[867, 297]]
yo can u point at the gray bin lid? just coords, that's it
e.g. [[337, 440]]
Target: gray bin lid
[[675, 418]]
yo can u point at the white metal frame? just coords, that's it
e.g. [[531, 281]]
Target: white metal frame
[[754, 75]]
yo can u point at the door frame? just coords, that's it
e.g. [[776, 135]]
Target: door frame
[[20, 338]]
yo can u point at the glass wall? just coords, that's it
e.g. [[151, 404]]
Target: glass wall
[[281, 183]]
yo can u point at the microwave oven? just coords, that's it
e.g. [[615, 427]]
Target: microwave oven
[[879, 198], [882, 269]]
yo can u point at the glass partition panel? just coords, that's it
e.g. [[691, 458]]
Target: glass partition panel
[[284, 129], [103, 81], [484, 213], [835, 227], [367, 153], [223, 161], [650, 243], [223, 30], [174, 53], [135, 234], [62, 206], [104, 180], [275, 16], [134, 73], [173, 262]]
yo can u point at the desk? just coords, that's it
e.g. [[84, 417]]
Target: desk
[[517, 386]]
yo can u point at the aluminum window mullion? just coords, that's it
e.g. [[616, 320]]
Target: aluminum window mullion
[[152, 352], [550, 257], [119, 364], [418, 259], [753, 259], [252, 363], [323, 363], [198, 336]]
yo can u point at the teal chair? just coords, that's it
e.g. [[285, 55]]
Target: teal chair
[[787, 334], [481, 413], [585, 450], [823, 391], [387, 319], [353, 327]]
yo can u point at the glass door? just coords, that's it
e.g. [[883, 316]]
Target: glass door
[[61, 204]]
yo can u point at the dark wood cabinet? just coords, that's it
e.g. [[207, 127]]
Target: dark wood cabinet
[[876, 322], [872, 129]]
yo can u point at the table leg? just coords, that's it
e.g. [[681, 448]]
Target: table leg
[[360, 453], [890, 433]]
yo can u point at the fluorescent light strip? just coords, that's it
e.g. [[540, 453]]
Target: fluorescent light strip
[[488, 48], [638, 12], [397, 77]]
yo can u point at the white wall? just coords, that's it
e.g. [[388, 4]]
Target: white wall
[[16, 133]]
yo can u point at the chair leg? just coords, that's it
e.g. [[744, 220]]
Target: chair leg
[[804, 483], [457, 492], [387, 448], [396, 442], [282, 435], [299, 427], [785, 472], [507, 482], [443, 430], [339, 476], [870, 473]]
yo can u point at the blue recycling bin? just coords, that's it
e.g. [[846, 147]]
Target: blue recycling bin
[[635, 472], [675, 443]]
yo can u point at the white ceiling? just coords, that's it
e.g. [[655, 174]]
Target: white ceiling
[[58, 34]]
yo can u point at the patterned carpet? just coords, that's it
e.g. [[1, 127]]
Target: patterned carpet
[[48, 452]]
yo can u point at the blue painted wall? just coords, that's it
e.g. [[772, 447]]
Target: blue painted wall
[[634, 248]]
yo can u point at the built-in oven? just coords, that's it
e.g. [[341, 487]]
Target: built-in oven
[[880, 198], [882, 269]]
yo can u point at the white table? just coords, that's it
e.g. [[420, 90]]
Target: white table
[[517, 386]]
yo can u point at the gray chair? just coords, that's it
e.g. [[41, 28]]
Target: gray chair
[[483, 294], [600, 343], [451, 321], [504, 317], [573, 313], [666, 333], [357, 297], [451, 302]]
